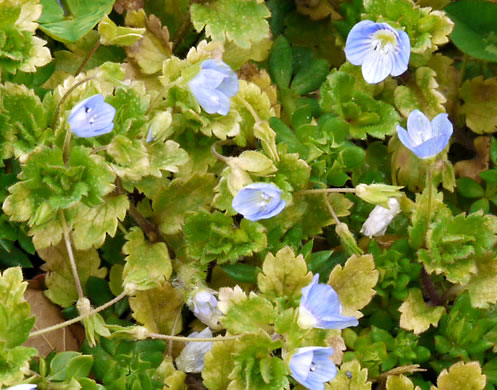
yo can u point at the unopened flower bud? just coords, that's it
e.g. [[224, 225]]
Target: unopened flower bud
[[203, 303], [379, 219], [378, 193], [191, 358]]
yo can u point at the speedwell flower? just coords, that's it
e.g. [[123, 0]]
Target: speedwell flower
[[213, 86], [258, 201], [379, 219], [312, 367], [191, 358], [321, 308], [379, 48], [423, 138], [92, 117], [22, 387], [203, 303]]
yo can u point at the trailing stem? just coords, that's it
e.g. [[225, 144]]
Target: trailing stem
[[70, 253]]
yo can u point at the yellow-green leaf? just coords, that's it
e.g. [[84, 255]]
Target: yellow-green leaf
[[350, 377], [480, 104], [416, 315], [354, 283], [462, 376]]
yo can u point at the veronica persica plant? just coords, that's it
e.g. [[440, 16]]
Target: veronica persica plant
[[22, 387], [423, 138], [213, 86], [379, 49], [92, 117], [312, 367], [259, 201], [321, 308]]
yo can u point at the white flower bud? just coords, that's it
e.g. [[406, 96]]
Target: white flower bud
[[191, 358], [380, 218], [22, 387], [203, 303]]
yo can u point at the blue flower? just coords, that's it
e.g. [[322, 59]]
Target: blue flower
[[312, 367], [203, 303], [258, 201], [92, 117], [379, 48], [320, 308], [423, 138], [213, 86]]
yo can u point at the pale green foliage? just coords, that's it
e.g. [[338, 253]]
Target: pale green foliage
[[427, 29], [181, 196], [283, 275], [421, 93], [214, 237], [59, 279], [246, 363], [354, 283], [456, 245], [480, 108], [157, 309], [416, 315], [356, 380], [20, 49], [155, 47], [147, 264], [244, 313], [462, 376], [173, 379], [241, 21], [92, 224], [365, 115], [111, 34], [95, 327], [399, 382]]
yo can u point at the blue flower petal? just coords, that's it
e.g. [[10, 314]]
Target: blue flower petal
[[431, 147], [377, 66], [419, 127], [358, 43], [441, 125], [206, 79], [404, 137], [258, 201], [312, 367], [402, 54], [92, 117]]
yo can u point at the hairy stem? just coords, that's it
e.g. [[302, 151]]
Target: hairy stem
[[70, 253], [88, 57], [326, 190], [218, 155], [191, 339], [79, 318], [330, 208]]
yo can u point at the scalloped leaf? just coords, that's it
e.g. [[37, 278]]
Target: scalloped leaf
[[399, 382], [462, 376], [283, 275], [157, 309], [354, 283], [480, 104], [92, 224], [221, 20], [111, 34], [422, 93], [416, 315], [147, 264], [350, 377], [59, 279]]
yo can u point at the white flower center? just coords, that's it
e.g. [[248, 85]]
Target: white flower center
[[384, 41], [264, 200], [306, 320]]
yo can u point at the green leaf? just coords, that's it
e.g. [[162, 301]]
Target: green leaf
[[350, 377], [310, 79], [463, 376], [281, 62], [166, 156], [15, 313], [474, 31], [130, 158], [181, 196], [364, 114], [399, 382], [67, 365], [479, 107], [354, 283], [242, 272], [416, 315], [469, 188], [422, 93], [14, 362], [91, 225], [157, 309], [221, 19], [147, 264], [218, 364], [59, 278], [85, 14], [212, 237], [283, 275], [110, 34]]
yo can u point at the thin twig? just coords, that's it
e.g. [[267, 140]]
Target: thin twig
[[216, 154], [173, 330], [330, 208], [191, 339], [326, 191], [74, 269], [88, 57], [79, 318]]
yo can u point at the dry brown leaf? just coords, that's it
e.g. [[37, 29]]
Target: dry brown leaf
[[125, 5], [48, 314], [472, 168]]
